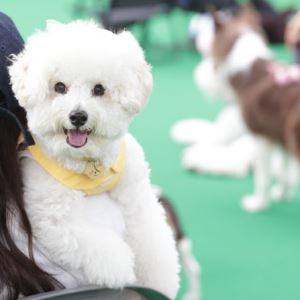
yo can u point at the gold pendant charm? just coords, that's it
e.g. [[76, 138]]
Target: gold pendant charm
[[94, 169]]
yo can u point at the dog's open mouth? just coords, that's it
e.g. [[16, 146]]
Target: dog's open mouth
[[77, 138]]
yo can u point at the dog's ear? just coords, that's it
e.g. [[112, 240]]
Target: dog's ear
[[219, 19], [136, 97], [18, 74], [26, 83], [249, 14]]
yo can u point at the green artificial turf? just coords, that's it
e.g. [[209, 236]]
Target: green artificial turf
[[243, 256]]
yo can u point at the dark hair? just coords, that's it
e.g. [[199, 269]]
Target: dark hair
[[19, 274]]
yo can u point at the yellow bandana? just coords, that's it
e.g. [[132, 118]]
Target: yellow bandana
[[94, 180]]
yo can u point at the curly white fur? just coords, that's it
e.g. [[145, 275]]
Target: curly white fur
[[116, 238]]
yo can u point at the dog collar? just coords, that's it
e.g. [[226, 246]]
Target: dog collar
[[94, 180], [284, 74]]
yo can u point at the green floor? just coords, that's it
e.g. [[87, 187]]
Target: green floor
[[243, 257]]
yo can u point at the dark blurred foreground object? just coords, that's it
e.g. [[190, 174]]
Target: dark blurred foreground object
[[94, 293]]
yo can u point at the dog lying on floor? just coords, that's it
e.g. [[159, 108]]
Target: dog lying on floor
[[94, 216], [222, 146], [268, 95]]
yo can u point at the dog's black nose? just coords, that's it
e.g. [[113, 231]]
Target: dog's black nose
[[78, 118]]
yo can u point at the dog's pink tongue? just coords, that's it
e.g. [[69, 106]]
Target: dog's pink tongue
[[76, 138]]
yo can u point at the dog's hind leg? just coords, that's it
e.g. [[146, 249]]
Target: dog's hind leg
[[260, 199], [284, 187]]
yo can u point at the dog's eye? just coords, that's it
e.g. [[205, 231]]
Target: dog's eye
[[98, 90], [60, 88]]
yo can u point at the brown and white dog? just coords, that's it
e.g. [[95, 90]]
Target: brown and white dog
[[268, 95]]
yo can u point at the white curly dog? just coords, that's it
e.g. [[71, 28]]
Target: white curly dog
[[81, 86]]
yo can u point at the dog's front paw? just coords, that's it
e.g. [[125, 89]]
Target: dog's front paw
[[254, 203], [190, 159], [112, 268]]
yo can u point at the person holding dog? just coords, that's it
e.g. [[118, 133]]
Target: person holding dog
[[20, 275]]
